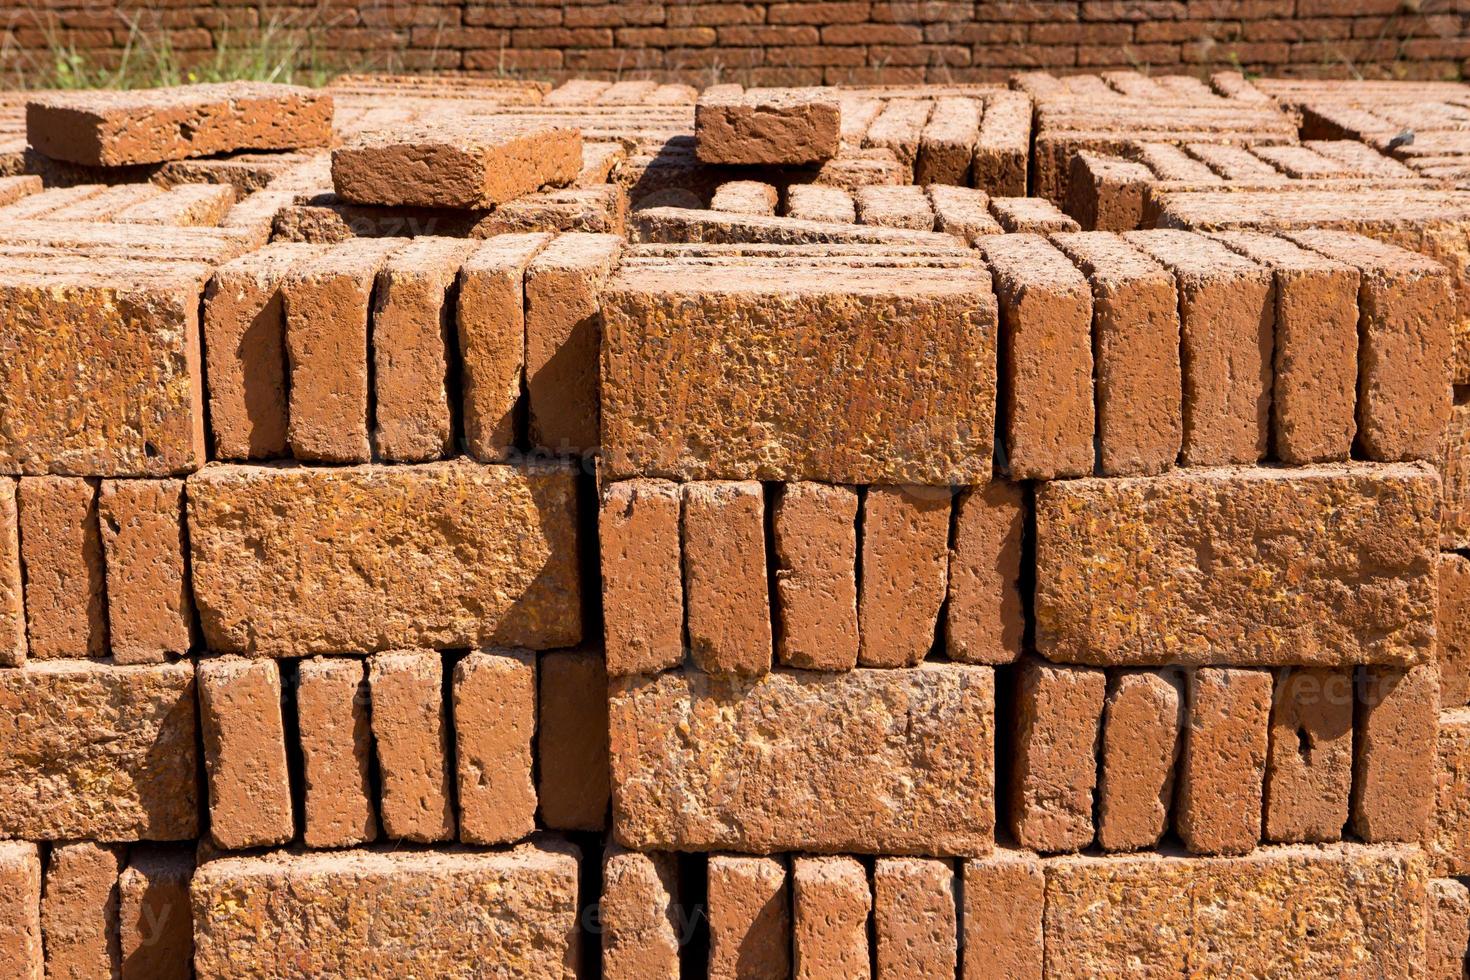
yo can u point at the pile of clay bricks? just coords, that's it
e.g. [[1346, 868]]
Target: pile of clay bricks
[[460, 527]]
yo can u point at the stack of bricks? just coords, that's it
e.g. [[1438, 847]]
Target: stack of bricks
[[868, 570]]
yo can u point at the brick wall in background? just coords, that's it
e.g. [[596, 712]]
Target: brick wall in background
[[777, 42]]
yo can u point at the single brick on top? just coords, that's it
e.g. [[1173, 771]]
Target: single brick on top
[[466, 162], [765, 126], [111, 129]]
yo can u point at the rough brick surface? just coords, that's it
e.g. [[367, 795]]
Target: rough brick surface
[[155, 929], [814, 529], [1174, 575], [327, 303], [411, 732], [491, 325], [1058, 724], [1284, 911], [1314, 391], [79, 910], [824, 779], [985, 619], [1393, 774], [411, 329], [288, 562], [642, 582], [830, 901], [1004, 897], [1046, 358], [727, 597], [12, 589], [699, 410], [100, 368], [435, 912], [332, 716], [20, 901], [749, 917], [1447, 929], [905, 559], [641, 918], [1452, 631], [467, 163], [245, 753], [914, 917], [765, 126], [150, 612], [947, 142], [1142, 726], [61, 553], [572, 740], [1227, 319], [1139, 384], [1223, 763], [110, 129], [494, 710], [564, 285], [51, 757], [1309, 770], [245, 354]]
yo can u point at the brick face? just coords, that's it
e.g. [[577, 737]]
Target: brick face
[[932, 40]]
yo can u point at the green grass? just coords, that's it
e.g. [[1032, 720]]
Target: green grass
[[277, 51]]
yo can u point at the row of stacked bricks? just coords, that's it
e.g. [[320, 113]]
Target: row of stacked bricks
[[932, 589]]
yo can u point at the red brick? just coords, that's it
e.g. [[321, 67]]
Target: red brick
[[642, 587], [494, 726], [150, 613], [1393, 773], [830, 903], [827, 776], [896, 206], [411, 731], [815, 537], [61, 551], [1454, 520], [1406, 308], [1004, 897], [905, 562], [1058, 723], [1033, 215], [1003, 152], [1046, 358], [1444, 835], [899, 128], [572, 741], [1309, 769], [1452, 633], [1142, 723], [332, 715], [20, 910], [12, 601], [245, 752], [640, 915], [411, 334], [478, 163], [499, 544], [327, 302], [766, 126], [434, 912], [1447, 931], [727, 598], [1135, 321], [1227, 314], [244, 351], [109, 129], [745, 197], [155, 923], [1315, 385], [563, 287], [985, 618], [914, 917], [79, 917], [749, 918], [1224, 761], [1107, 193], [490, 321]]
